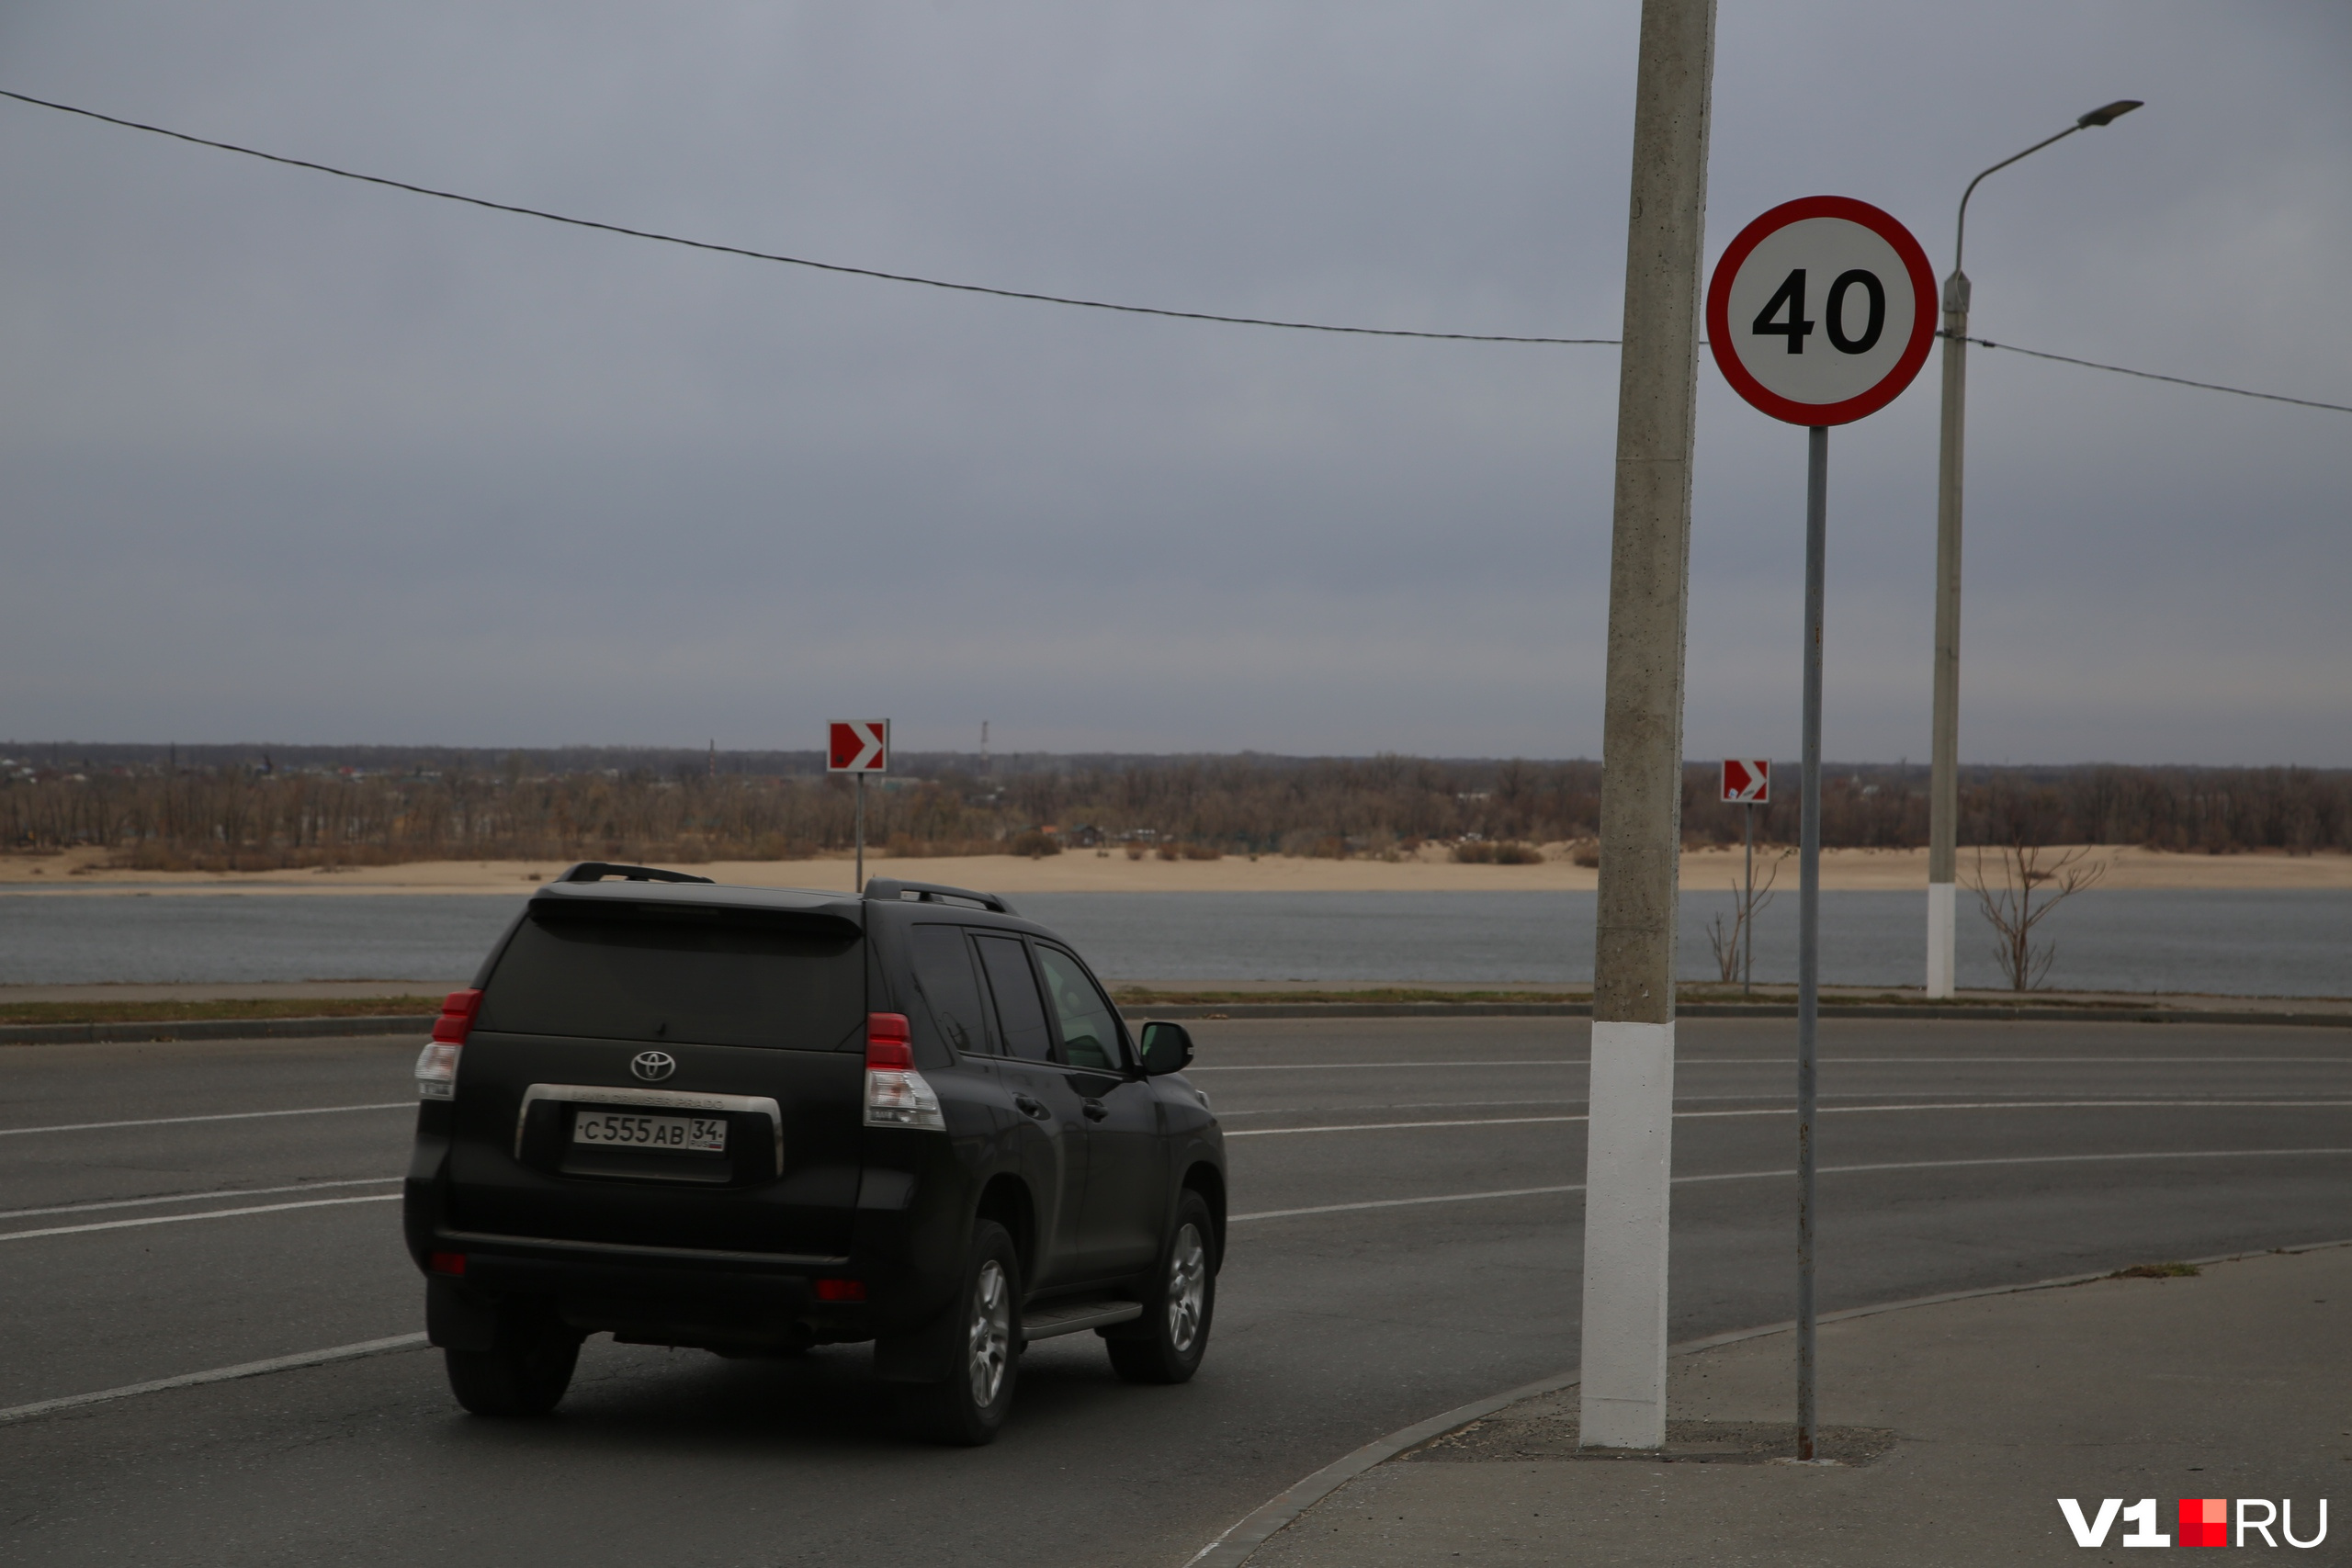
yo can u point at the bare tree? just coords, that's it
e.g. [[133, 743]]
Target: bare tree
[[1747, 903], [2013, 911]]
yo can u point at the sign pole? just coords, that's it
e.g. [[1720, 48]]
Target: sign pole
[[859, 747], [1747, 903], [1843, 269], [1817, 549]]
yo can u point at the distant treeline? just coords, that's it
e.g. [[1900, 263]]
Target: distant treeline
[[247, 807]]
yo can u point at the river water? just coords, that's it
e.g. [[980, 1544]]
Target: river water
[[2259, 943]]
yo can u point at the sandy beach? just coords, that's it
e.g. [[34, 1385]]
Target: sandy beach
[[1088, 871]]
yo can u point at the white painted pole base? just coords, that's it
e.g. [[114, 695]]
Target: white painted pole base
[[1943, 934], [1629, 1159]]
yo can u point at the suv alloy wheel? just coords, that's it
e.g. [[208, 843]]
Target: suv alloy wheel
[[968, 1407], [1167, 1343]]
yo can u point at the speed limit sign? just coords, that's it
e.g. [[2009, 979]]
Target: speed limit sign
[[1822, 310], [1819, 313]]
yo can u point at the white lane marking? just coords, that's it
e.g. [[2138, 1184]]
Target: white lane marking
[[1392, 1126], [1777, 1175], [1826, 1111], [1352, 1067], [1428, 1105], [223, 1116], [220, 1375], [2217, 1061], [2037, 1105], [2027, 1159], [206, 1214], [1401, 1202], [194, 1197], [1698, 1099]]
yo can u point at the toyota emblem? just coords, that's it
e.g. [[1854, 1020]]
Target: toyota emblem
[[653, 1066]]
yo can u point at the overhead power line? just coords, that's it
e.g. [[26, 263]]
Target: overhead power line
[[2151, 375], [1033, 296], [772, 256]]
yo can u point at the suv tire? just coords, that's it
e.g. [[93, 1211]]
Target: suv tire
[[968, 1408], [1166, 1344], [526, 1374]]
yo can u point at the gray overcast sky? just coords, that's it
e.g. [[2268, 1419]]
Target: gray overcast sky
[[289, 458]]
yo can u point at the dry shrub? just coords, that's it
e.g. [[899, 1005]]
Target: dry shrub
[[1203, 852], [775, 846], [160, 855], [1586, 853], [1134, 851], [1510, 852], [942, 849], [1034, 844]]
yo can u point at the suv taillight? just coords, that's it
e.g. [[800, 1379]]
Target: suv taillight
[[436, 1066], [895, 1095]]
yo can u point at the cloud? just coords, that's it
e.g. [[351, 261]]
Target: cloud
[[291, 458]]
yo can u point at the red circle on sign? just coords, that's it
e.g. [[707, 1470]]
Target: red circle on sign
[[1923, 314]]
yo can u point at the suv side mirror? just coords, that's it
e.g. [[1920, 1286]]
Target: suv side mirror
[[1167, 1048]]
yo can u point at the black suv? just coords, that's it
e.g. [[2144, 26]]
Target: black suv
[[752, 1120]]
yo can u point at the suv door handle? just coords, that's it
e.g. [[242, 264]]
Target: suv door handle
[[1033, 1107], [1095, 1110]]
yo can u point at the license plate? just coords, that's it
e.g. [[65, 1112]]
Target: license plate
[[628, 1130]]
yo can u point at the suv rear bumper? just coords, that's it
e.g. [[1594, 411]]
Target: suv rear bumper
[[748, 1301], [502, 1250]]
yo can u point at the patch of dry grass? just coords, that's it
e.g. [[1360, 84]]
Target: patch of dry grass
[[228, 1007]]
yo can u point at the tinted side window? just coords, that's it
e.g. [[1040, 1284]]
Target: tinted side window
[[647, 972], [1019, 1010], [944, 975], [1090, 1029]]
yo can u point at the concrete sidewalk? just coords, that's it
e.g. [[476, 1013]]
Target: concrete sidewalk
[[1961, 1424]]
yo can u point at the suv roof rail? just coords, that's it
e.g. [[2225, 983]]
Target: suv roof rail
[[597, 870], [886, 890]]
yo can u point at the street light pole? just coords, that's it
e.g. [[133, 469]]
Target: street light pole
[[1943, 804]]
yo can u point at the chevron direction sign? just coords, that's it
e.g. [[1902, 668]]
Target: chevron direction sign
[[858, 746], [1747, 781]]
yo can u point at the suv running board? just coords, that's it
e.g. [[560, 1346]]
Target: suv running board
[[1048, 1322]]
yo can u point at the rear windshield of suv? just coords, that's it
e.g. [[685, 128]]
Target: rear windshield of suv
[[665, 972]]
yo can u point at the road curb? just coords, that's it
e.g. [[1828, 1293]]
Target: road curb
[[211, 1029], [1238, 1544], [1990, 1013]]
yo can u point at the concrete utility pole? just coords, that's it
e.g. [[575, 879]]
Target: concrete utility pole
[[1943, 801], [1630, 1136]]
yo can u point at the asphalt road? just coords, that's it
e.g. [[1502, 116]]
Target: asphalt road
[[1988, 1154]]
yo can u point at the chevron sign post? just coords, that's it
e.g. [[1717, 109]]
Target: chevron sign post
[[1748, 783], [859, 747]]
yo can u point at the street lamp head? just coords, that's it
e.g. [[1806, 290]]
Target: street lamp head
[[2107, 114]]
